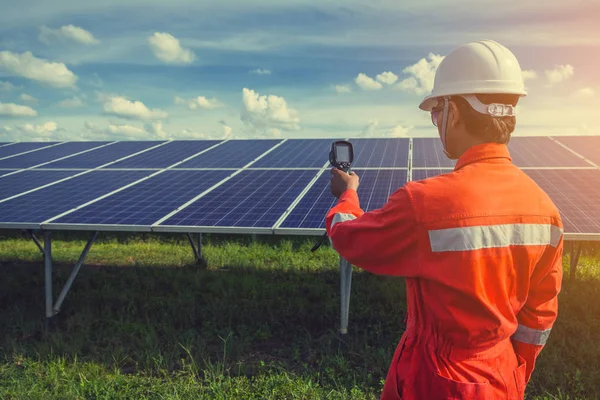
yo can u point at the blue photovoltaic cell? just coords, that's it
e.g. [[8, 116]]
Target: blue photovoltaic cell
[[575, 193], [539, 152], [167, 155], [146, 202], [250, 199], [23, 181], [104, 155], [233, 154], [374, 153], [587, 146], [43, 204], [373, 192], [49, 154], [429, 153], [420, 174], [22, 147], [297, 153]]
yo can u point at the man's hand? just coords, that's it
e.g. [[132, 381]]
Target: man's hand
[[341, 181]]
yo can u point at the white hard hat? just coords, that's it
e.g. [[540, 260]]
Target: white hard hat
[[484, 67]]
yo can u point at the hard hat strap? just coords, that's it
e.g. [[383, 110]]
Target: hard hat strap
[[444, 126], [494, 109]]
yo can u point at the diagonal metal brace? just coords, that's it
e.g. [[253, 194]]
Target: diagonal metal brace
[[36, 241], [74, 272], [197, 248]]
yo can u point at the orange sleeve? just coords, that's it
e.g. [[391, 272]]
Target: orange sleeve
[[382, 241], [537, 317]]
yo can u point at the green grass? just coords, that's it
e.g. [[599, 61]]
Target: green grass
[[143, 321]]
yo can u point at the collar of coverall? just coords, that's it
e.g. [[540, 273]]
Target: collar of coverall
[[486, 151]]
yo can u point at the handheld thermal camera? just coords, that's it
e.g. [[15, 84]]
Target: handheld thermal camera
[[341, 156]]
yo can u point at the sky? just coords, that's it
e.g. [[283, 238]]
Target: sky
[[149, 69]]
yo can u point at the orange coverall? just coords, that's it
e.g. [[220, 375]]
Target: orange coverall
[[481, 249]]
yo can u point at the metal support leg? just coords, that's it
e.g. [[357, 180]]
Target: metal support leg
[[345, 286], [36, 241], [74, 273], [574, 259], [48, 272], [197, 250]]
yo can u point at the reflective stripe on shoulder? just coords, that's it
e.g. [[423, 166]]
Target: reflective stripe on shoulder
[[341, 217], [531, 336], [487, 236]]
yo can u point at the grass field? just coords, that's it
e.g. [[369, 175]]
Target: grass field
[[144, 322]]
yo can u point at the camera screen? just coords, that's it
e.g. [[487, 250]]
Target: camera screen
[[343, 154]]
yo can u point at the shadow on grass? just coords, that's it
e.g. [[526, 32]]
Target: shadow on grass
[[155, 320]]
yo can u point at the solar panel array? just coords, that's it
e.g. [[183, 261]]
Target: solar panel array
[[254, 186]]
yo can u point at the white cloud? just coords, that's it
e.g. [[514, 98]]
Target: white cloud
[[16, 110], [529, 74], [342, 88], [71, 103], [369, 130], [203, 102], [28, 98], [189, 134], [6, 86], [227, 132], [268, 112], [29, 132], [367, 83], [422, 75], [179, 100], [584, 92], [150, 131], [260, 71], [388, 78], [37, 69], [124, 108], [399, 131], [167, 48], [67, 32], [560, 73]]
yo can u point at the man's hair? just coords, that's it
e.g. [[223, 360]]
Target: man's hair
[[486, 127]]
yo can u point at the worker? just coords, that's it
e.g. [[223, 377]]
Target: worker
[[480, 247]]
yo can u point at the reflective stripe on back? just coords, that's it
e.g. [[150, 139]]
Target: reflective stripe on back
[[488, 236]]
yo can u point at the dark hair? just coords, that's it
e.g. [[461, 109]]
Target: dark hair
[[486, 127]]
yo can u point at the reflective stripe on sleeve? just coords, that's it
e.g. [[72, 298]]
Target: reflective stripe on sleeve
[[487, 236], [341, 217], [531, 336]]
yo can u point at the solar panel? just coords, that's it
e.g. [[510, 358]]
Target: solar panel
[[541, 152], [297, 153], [587, 146], [420, 174], [429, 153], [22, 147], [43, 204], [253, 198], [375, 188], [14, 184], [575, 193], [146, 202], [232, 154], [380, 153], [167, 155], [104, 155], [49, 154]]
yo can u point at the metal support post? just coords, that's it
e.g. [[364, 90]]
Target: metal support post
[[574, 259], [197, 250], [74, 273], [345, 286], [36, 241], [48, 272]]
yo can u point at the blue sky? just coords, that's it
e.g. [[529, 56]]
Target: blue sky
[[178, 69]]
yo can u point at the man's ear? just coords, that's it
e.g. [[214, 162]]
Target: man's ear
[[453, 114]]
